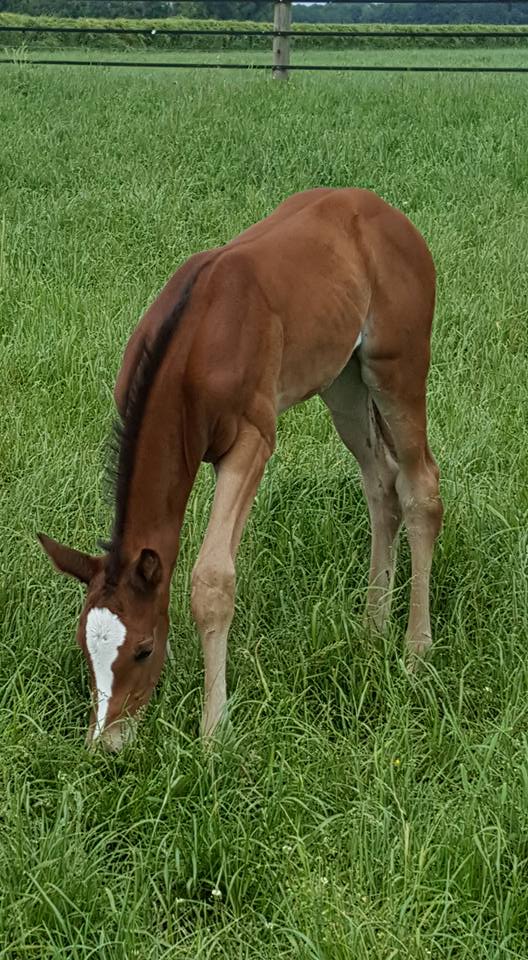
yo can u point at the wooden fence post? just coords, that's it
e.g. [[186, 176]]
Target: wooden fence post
[[282, 18]]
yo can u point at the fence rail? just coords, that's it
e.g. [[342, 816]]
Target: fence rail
[[339, 68], [300, 34], [281, 34]]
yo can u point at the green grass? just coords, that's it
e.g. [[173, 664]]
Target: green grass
[[367, 56], [358, 813]]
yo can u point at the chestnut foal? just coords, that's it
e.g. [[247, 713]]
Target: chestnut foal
[[333, 293]]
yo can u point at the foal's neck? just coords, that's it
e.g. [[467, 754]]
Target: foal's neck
[[163, 442], [164, 472]]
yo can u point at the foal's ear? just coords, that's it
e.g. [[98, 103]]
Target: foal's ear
[[76, 564], [146, 571]]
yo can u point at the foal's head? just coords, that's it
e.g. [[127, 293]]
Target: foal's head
[[122, 633], [124, 623]]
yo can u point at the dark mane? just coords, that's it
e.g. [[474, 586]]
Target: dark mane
[[126, 430]]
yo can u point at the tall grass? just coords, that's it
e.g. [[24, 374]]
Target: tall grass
[[357, 813]]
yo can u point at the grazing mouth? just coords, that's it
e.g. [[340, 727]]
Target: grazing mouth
[[113, 738]]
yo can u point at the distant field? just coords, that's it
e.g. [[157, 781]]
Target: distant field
[[359, 814]]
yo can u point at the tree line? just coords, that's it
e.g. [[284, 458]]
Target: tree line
[[420, 12], [416, 13]]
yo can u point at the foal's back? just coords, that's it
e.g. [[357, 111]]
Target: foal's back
[[287, 300]]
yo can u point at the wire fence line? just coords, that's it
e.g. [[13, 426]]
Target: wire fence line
[[281, 34], [299, 34], [358, 68]]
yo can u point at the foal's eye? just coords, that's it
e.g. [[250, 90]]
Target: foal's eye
[[143, 654]]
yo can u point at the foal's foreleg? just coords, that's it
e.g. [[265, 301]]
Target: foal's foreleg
[[213, 579]]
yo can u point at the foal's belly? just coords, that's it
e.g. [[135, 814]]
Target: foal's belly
[[310, 368]]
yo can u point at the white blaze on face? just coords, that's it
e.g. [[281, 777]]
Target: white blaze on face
[[105, 634]]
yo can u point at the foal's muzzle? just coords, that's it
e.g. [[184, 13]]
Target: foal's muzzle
[[113, 738]]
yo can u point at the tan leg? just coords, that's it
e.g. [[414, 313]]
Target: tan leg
[[354, 417], [404, 414], [417, 486], [213, 578]]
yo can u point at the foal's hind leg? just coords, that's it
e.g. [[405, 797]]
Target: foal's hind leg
[[213, 578], [356, 422], [396, 383]]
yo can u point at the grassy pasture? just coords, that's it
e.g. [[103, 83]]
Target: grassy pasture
[[359, 813], [368, 56]]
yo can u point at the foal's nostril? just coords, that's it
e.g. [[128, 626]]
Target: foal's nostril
[[143, 654]]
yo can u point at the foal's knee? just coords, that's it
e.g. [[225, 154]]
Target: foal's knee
[[212, 595]]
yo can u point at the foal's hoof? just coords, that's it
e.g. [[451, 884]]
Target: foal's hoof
[[221, 734], [416, 653]]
